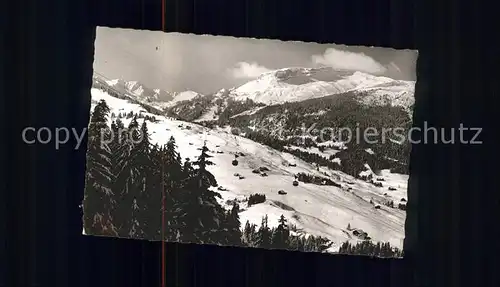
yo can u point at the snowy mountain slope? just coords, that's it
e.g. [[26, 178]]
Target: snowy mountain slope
[[276, 88], [299, 84], [155, 97], [183, 96], [138, 90], [317, 210], [285, 127]]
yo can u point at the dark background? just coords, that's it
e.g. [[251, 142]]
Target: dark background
[[452, 220]]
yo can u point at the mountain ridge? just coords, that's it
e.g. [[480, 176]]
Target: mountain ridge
[[298, 84], [151, 95], [293, 84]]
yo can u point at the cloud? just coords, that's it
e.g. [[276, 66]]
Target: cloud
[[346, 60], [244, 70]]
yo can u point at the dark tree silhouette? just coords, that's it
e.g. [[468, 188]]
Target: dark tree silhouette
[[99, 199], [203, 218]]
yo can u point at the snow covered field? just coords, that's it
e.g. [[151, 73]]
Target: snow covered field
[[315, 209]]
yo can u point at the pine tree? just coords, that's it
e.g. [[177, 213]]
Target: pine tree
[[250, 235], [247, 237], [204, 177], [234, 237], [173, 157], [280, 236], [294, 242], [172, 179], [187, 168], [142, 166], [115, 144], [202, 217], [309, 244], [121, 149], [153, 200], [118, 139], [118, 134], [133, 180], [264, 234], [99, 199]]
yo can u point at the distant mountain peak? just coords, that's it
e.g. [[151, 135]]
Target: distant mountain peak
[[152, 96], [296, 84]]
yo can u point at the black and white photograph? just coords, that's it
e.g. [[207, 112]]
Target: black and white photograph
[[246, 142]]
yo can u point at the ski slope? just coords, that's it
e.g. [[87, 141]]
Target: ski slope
[[316, 210]]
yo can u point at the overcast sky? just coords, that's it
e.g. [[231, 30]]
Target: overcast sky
[[206, 64]]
